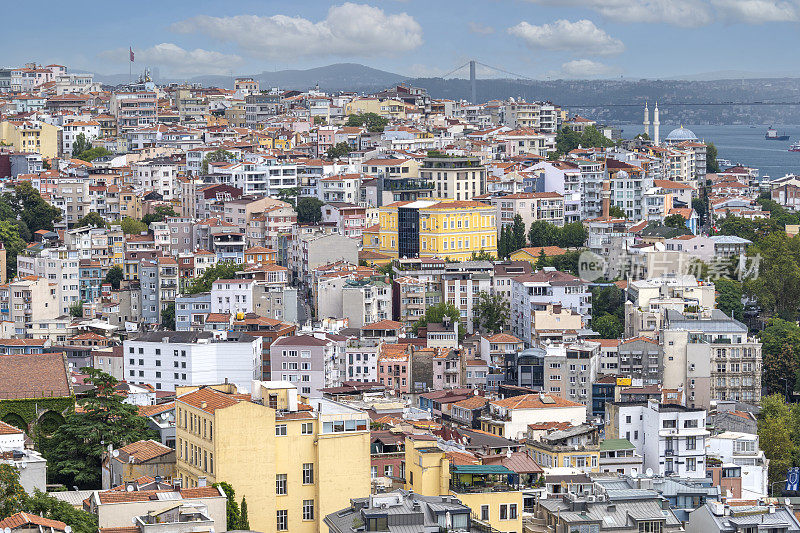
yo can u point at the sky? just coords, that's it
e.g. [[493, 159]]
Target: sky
[[535, 38]]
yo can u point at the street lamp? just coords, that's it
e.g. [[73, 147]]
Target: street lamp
[[772, 486]]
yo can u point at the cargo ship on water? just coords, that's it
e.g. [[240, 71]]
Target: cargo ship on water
[[773, 135]]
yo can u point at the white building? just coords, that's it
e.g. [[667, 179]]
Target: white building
[[168, 359], [232, 296], [742, 449], [89, 128], [670, 437], [543, 288]]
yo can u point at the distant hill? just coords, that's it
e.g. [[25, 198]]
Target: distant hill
[[337, 77]]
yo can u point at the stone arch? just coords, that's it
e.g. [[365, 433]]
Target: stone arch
[[15, 420], [49, 421]]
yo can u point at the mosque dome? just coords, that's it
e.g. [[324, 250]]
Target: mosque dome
[[681, 134]]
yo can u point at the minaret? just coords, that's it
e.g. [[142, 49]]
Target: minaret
[[656, 124], [646, 119]]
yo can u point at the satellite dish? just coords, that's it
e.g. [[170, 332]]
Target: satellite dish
[[133, 520], [6, 530], [129, 488], [74, 380], [648, 472], [115, 453], [68, 529]]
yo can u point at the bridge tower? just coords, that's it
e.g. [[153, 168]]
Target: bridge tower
[[472, 81]]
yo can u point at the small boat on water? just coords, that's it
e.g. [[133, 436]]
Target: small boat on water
[[773, 135], [795, 147]]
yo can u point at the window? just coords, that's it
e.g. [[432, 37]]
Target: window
[[307, 428], [485, 513], [691, 464], [280, 484], [308, 509], [691, 443], [283, 520], [503, 511], [512, 511], [308, 473], [373, 472], [387, 470], [280, 430]]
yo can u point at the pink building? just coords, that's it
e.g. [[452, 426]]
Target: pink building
[[393, 368]]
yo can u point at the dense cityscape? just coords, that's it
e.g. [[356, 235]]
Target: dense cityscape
[[249, 307]]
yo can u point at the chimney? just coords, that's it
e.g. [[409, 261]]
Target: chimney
[[556, 309]]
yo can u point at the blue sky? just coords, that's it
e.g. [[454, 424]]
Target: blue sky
[[537, 38]]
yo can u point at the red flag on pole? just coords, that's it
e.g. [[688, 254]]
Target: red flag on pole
[[131, 52]]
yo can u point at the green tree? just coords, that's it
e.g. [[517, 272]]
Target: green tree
[[372, 121], [159, 214], [567, 140], [220, 155], [114, 276], [700, 205], [132, 226], [93, 219], [520, 239], [76, 449], [231, 507], [43, 504], [729, 297], [309, 210], [616, 211], [80, 145], [541, 261], [319, 121], [29, 206], [223, 270], [12, 495], [775, 435], [543, 233], [573, 235], [777, 286], [675, 221], [608, 300], [643, 136], [491, 312], [93, 153], [168, 317], [76, 309], [338, 151], [289, 195], [608, 326], [13, 244], [483, 255], [712, 166], [502, 243], [780, 353], [244, 521], [434, 315]]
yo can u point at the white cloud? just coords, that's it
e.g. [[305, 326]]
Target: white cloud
[[586, 68], [481, 29], [580, 36], [687, 13], [177, 60], [348, 30], [757, 11]]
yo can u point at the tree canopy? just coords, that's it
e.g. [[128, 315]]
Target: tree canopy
[[675, 221], [132, 226], [168, 317], [372, 121], [217, 156], [491, 312], [114, 276], [568, 139], [712, 166], [159, 214], [572, 235], [309, 210], [93, 153], [92, 219], [338, 150], [223, 270], [436, 313], [76, 449]]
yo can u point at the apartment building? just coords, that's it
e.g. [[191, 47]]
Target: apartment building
[[28, 301], [670, 437], [648, 300], [456, 178], [711, 358], [437, 228], [294, 460], [534, 292], [530, 206], [168, 360], [134, 110], [308, 362]]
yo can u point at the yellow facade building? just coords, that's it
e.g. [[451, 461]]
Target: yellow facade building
[[384, 107], [294, 460], [485, 489], [30, 136], [437, 228]]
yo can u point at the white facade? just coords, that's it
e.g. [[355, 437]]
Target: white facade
[[232, 296], [671, 438], [742, 449], [167, 359]]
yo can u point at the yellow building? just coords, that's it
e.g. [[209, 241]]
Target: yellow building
[[384, 107], [575, 447], [294, 462], [30, 136], [485, 489], [437, 228]]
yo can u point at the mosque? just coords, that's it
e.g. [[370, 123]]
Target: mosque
[[676, 136]]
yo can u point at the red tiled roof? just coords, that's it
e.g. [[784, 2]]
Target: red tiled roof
[[207, 399], [18, 520], [534, 401]]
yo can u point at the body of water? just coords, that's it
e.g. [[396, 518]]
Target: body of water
[[743, 145]]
